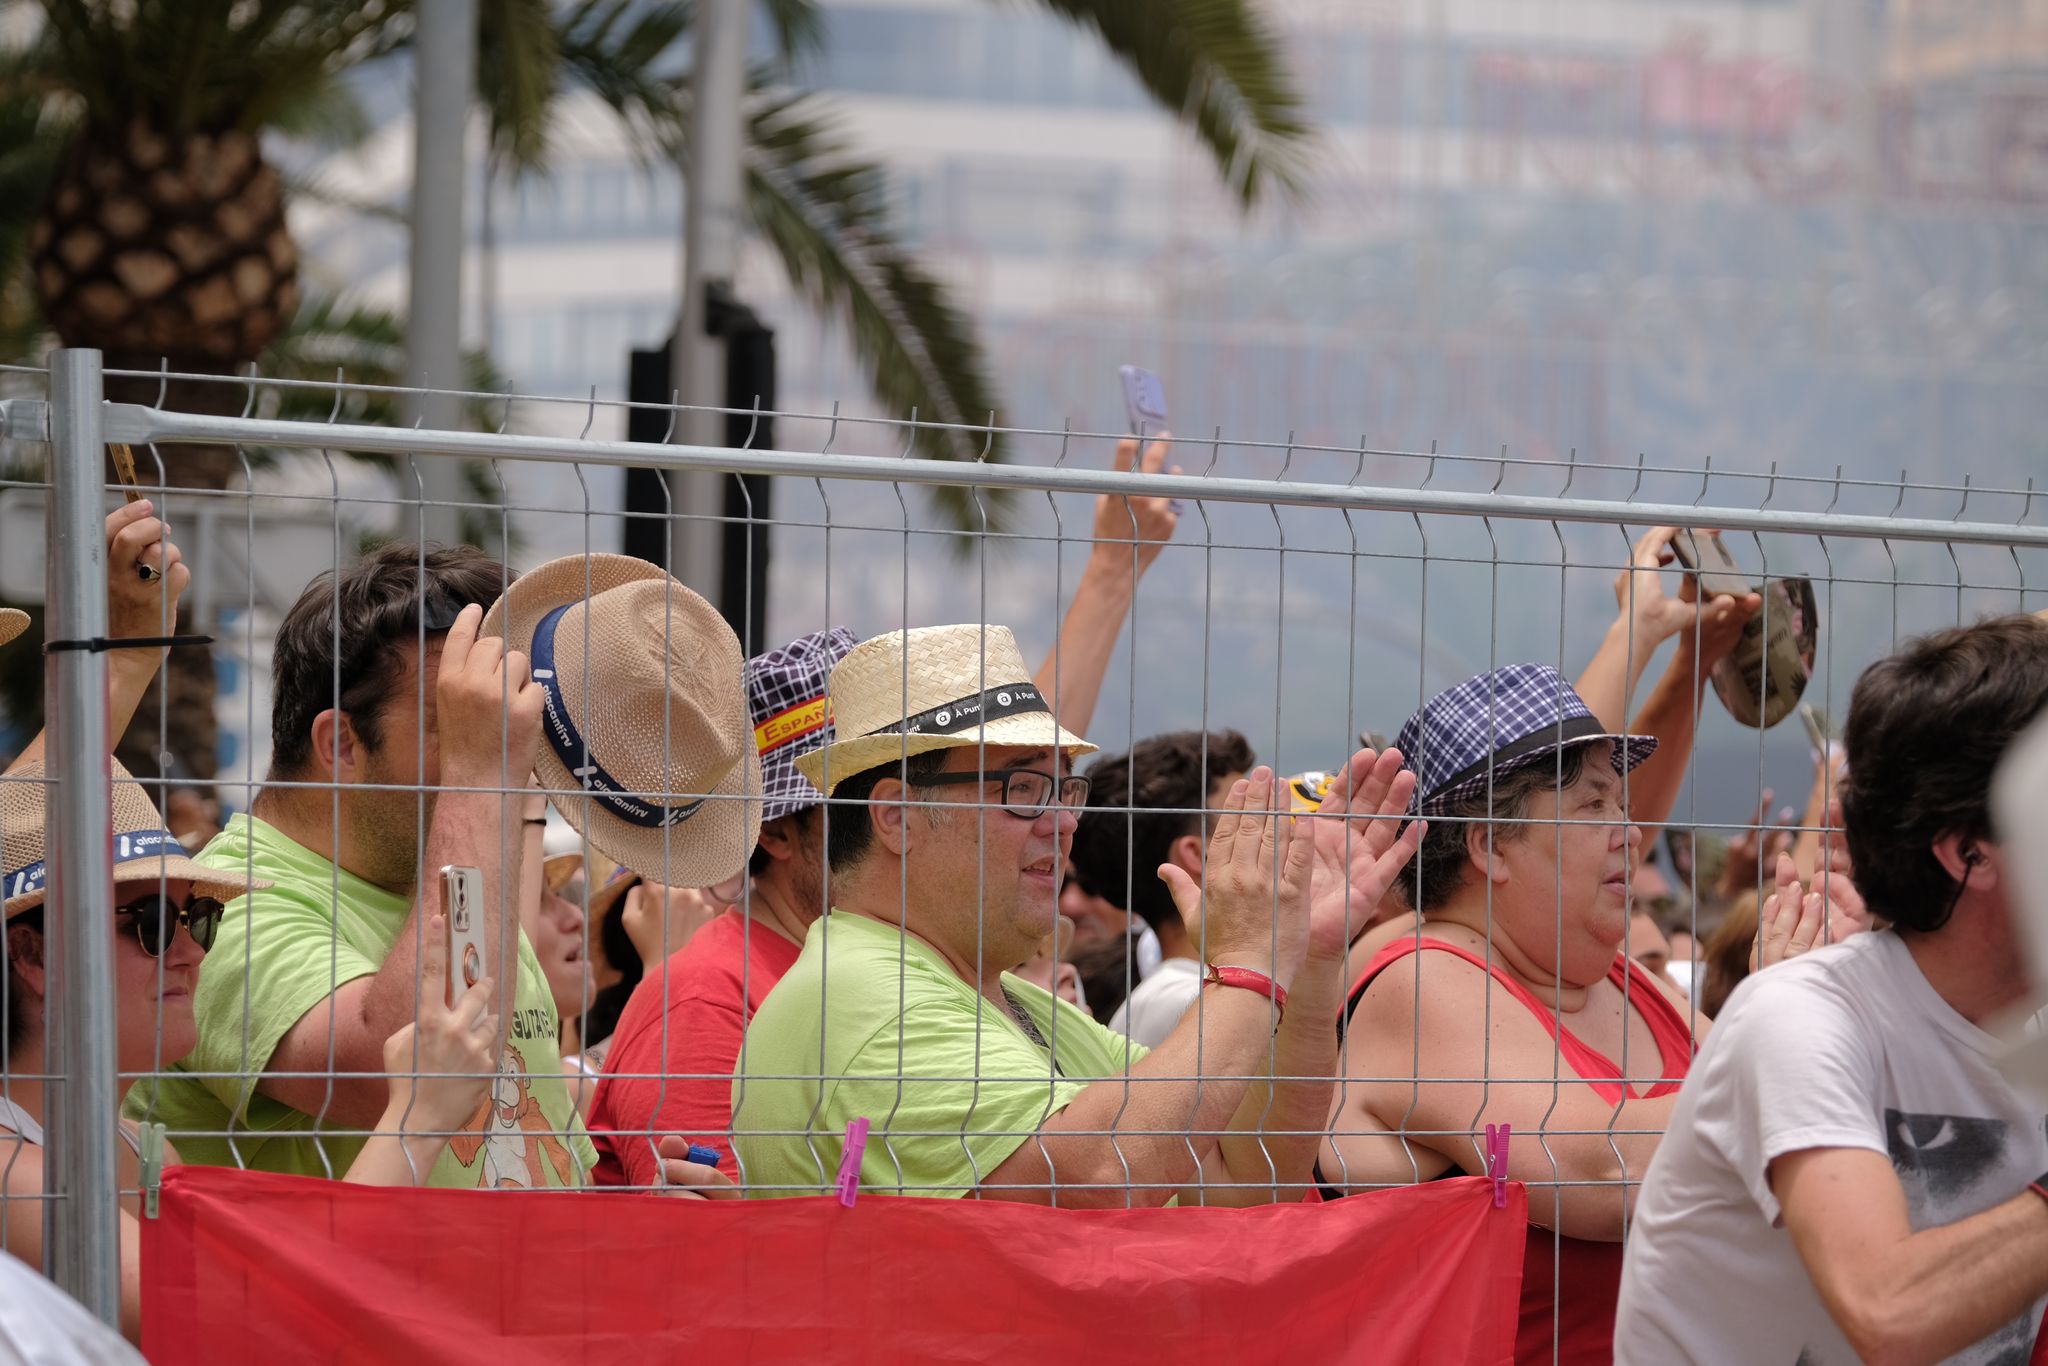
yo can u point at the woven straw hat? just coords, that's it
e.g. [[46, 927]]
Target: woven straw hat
[[13, 622], [143, 850], [936, 687], [621, 650]]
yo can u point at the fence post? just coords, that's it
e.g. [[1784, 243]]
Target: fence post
[[82, 1218]]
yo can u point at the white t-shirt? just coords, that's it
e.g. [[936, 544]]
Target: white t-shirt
[[1156, 1004], [42, 1326], [1845, 1047]]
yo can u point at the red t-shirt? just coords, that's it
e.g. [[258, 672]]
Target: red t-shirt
[[681, 1082], [1570, 1286]]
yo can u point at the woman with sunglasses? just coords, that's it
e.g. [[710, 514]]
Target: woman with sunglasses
[[166, 909]]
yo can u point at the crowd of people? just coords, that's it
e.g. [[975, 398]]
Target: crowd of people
[[737, 910]]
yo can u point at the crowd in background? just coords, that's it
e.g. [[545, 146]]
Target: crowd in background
[[732, 905]]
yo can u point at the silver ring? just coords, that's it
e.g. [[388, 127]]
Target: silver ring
[[149, 572]]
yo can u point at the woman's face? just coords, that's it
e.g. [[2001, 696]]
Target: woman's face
[[155, 992], [556, 929]]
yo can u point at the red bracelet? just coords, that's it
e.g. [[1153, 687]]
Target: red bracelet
[[1251, 979]]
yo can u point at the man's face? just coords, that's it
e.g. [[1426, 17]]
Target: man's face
[[1096, 921], [980, 849], [1568, 867], [387, 825]]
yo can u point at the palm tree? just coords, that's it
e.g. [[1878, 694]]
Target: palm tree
[[157, 232]]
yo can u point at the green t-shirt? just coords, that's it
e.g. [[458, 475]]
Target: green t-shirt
[[281, 952], [872, 1022]]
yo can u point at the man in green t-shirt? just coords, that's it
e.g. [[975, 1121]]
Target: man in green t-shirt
[[953, 810], [383, 692]]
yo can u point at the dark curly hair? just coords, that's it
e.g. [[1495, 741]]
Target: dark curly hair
[[1926, 728], [1131, 824]]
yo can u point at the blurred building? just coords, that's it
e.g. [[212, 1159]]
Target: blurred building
[[1797, 235]]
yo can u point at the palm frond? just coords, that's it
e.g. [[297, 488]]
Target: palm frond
[[799, 28], [367, 347], [625, 53], [1219, 66], [518, 74], [825, 211]]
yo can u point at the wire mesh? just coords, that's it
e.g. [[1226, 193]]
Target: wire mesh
[[1305, 596]]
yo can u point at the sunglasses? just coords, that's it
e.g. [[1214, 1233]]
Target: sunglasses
[[155, 919]]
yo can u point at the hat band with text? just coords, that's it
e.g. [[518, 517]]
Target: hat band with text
[[793, 723], [575, 755], [134, 844], [972, 711]]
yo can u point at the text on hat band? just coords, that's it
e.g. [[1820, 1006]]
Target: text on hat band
[[805, 718], [971, 711], [129, 846], [575, 755]]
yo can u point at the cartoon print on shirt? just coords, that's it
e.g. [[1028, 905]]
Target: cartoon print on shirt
[[512, 1133]]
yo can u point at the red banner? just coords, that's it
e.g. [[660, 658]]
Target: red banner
[[244, 1266]]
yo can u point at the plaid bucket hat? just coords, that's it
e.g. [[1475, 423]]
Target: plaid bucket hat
[[786, 691], [1496, 723]]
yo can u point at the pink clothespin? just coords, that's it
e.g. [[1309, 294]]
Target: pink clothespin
[[849, 1160], [1497, 1161]]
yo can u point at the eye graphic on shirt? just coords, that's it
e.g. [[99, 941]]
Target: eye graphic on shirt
[[1940, 1158]]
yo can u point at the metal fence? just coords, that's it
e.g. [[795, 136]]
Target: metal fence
[[1308, 595]]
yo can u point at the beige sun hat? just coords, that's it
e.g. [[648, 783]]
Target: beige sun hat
[[143, 850], [620, 649], [13, 621], [934, 687]]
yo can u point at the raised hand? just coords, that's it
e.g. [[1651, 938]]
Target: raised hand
[[1256, 913], [486, 697], [1154, 519], [1792, 920], [1639, 591], [146, 574], [1360, 847], [442, 1064], [1721, 622]]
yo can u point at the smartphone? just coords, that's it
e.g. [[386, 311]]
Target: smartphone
[[1703, 553], [462, 901], [1816, 727], [1144, 400]]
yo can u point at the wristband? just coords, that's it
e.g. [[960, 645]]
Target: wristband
[[1249, 979]]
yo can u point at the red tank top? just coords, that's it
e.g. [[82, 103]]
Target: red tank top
[[1569, 1284]]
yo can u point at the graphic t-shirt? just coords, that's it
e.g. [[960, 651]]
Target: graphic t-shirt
[[1845, 1047], [284, 950], [871, 1022], [669, 1066]]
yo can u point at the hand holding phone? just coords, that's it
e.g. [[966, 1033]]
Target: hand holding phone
[[1145, 406], [462, 902]]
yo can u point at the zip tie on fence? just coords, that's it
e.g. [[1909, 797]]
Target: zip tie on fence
[[1497, 1136], [849, 1160], [151, 1152], [101, 644]]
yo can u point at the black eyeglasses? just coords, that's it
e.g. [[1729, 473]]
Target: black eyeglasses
[[1026, 791], [155, 919]]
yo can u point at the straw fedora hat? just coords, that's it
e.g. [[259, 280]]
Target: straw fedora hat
[[143, 850], [13, 621], [934, 687], [621, 650]]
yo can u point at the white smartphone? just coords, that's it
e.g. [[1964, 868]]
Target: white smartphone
[[1144, 400], [462, 901]]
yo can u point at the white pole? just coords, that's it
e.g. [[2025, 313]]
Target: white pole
[[444, 76], [711, 234]]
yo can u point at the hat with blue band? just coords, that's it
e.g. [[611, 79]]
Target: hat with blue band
[[142, 850], [646, 744]]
